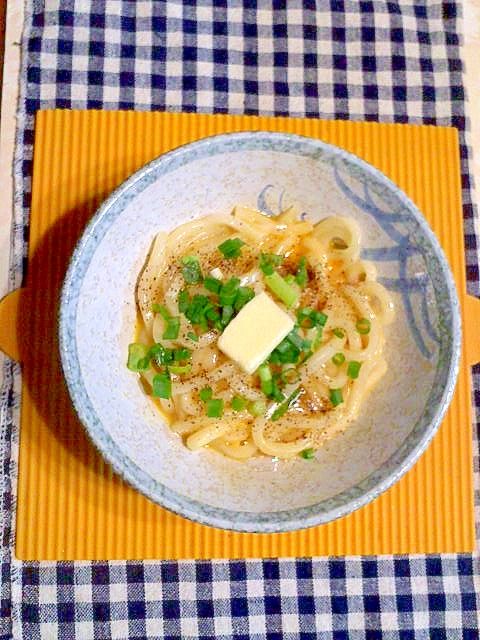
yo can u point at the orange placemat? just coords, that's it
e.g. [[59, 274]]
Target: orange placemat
[[70, 504]]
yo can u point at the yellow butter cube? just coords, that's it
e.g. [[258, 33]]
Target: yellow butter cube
[[254, 333]]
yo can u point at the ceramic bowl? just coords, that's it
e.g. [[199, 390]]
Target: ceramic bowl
[[269, 171]]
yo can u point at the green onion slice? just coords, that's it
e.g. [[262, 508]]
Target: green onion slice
[[336, 397], [353, 369], [244, 295], [308, 318], [277, 394], [172, 329], [268, 262], [162, 355], [266, 381], [212, 284], [183, 300], [162, 386], [180, 369], [182, 353], [138, 359], [302, 276], [258, 408], [231, 248], [215, 407], [338, 359], [285, 353], [227, 315], [191, 270], [287, 293], [308, 454], [363, 326], [205, 394], [238, 403], [285, 406]]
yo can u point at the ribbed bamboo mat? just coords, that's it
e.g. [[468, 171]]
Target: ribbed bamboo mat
[[70, 504]]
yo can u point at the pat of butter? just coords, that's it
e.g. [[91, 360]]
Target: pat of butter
[[254, 333]]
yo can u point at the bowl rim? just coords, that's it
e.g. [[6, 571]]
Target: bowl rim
[[244, 521]]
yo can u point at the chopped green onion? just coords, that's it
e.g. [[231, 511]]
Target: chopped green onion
[[315, 336], [258, 408], [192, 336], [191, 269], [285, 406], [172, 329], [296, 340], [274, 357], [173, 322], [304, 316], [244, 295], [338, 359], [336, 397], [212, 284], [183, 300], [213, 315], [353, 369], [196, 310], [153, 352], [155, 349], [285, 353], [181, 353], [302, 276], [266, 382], [277, 394], [308, 454], [290, 375], [162, 386], [339, 333], [180, 369], [287, 293], [308, 318], [307, 354], [268, 262], [363, 326], [238, 403], [228, 292], [290, 356], [138, 359], [144, 364], [319, 319], [163, 355], [280, 411], [231, 248], [227, 315], [215, 407], [205, 394], [163, 311]]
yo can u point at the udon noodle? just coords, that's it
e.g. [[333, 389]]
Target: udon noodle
[[198, 278]]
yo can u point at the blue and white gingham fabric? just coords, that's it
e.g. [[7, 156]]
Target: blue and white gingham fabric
[[384, 60]]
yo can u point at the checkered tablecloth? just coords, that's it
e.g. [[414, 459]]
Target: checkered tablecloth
[[384, 60]]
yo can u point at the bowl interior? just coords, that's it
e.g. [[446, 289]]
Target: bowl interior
[[268, 171]]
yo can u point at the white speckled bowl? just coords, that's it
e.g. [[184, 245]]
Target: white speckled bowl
[[269, 171]]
